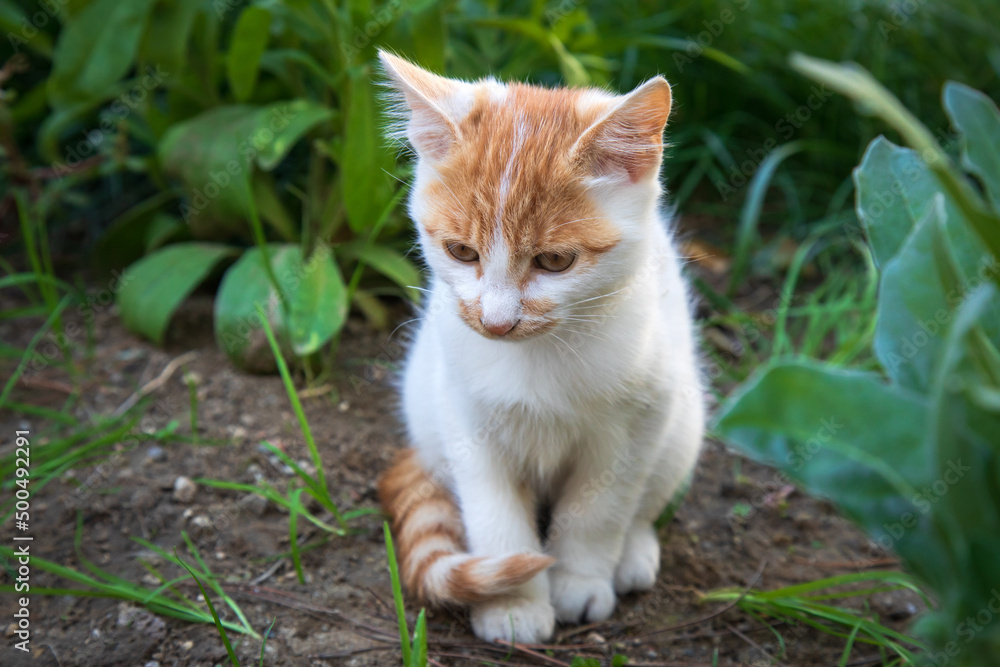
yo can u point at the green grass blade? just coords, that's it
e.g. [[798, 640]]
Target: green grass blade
[[293, 397], [215, 617], [263, 645], [750, 215], [53, 317], [295, 502], [419, 657], [397, 595]]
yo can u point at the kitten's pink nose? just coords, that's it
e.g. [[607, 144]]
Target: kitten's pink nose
[[499, 328]]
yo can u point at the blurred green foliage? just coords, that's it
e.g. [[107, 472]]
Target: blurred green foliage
[[910, 451], [210, 126]]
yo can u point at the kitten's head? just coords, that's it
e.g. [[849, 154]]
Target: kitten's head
[[530, 202]]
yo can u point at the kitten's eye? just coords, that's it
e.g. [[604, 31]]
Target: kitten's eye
[[555, 262], [462, 253]]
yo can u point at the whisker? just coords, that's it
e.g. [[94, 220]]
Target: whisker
[[415, 319], [599, 296], [568, 346]]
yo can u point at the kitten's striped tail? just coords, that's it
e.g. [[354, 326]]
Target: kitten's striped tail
[[430, 541]]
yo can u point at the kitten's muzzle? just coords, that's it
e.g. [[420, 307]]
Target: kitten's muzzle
[[499, 328]]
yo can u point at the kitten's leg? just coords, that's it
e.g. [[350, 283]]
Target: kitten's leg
[[590, 520], [499, 518], [640, 560]]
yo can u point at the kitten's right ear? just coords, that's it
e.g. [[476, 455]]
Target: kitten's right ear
[[433, 103]]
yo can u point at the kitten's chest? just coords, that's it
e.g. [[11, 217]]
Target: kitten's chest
[[538, 415]]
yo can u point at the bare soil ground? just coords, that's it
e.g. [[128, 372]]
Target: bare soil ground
[[342, 615]]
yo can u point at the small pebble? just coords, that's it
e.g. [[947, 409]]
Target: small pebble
[[595, 638], [152, 663], [156, 454], [254, 504], [184, 489], [344, 406], [187, 646]]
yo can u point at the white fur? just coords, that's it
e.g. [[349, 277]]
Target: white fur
[[602, 417]]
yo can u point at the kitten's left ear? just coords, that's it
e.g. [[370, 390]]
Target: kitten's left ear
[[628, 140]]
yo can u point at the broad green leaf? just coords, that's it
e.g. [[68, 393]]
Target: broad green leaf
[[20, 32], [96, 49], [873, 99], [895, 190], [319, 303], [389, 263], [211, 152], [976, 116], [157, 284], [920, 288], [166, 42], [890, 181], [247, 44], [914, 307], [365, 184], [238, 330], [967, 490], [849, 437], [289, 122]]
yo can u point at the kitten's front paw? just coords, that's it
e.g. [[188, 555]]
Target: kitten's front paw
[[640, 561], [523, 620], [581, 599]]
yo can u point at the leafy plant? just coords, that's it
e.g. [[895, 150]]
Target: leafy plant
[[910, 451], [261, 125], [216, 126]]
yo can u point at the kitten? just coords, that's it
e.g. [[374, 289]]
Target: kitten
[[555, 362]]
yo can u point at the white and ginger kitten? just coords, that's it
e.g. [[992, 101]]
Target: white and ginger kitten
[[552, 391]]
